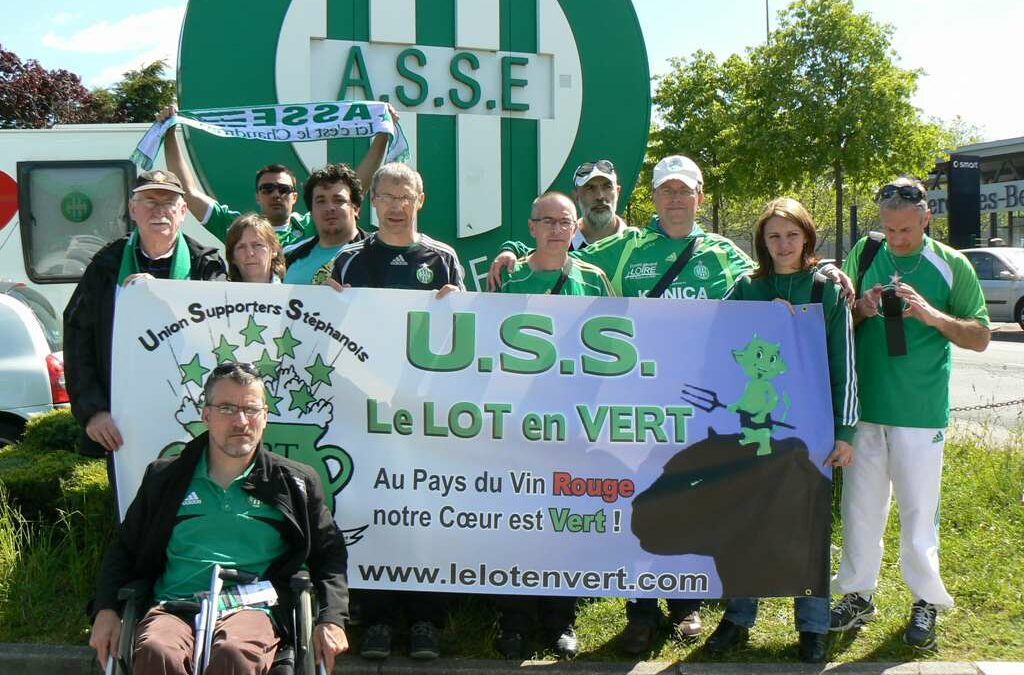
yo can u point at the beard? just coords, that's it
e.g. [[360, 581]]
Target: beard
[[601, 219]]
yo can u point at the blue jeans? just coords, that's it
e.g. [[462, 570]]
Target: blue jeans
[[812, 614]]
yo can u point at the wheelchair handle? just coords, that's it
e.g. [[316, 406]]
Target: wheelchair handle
[[238, 576]]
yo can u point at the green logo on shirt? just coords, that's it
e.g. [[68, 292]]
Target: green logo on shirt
[[424, 275]]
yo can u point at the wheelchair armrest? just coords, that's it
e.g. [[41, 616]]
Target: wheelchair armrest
[[300, 582]]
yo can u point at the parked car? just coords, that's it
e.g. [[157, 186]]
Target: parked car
[[31, 358], [1001, 273]]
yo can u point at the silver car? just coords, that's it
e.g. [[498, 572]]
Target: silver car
[[1001, 273], [31, 358]]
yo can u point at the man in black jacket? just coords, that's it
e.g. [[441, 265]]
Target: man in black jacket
[[155, 249], [225, 498]]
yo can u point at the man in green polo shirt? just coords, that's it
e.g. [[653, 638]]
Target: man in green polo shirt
[[904, 405], [276, 190], [224, 500]]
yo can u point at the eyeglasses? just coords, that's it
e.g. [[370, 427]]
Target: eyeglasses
[[602, 165], [271, 188], [230, 409], [560, 223], [154, 204], [386, 200], [911, 193]]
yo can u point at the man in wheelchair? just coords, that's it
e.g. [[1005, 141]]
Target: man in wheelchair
[[225, 500]]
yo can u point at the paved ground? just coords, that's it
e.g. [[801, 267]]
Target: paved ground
[[49, 660], [993, 376]]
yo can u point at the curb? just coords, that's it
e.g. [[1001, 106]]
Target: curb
[[32, 659]]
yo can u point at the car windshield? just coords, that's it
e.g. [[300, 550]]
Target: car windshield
[[1015, 256], [48, 320]]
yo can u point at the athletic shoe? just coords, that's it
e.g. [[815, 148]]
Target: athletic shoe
[[376, 642], [567, 645], [854, 610], [920, 631], [423, 641]]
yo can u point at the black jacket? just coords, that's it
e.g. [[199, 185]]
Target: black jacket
[[139, 548], [89, 328]]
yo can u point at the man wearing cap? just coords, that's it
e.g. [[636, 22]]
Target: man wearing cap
[[276, 190], [921, 296], [156, 249]]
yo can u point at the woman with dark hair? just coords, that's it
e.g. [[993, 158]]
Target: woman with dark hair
[[253, 250], [784, 242]]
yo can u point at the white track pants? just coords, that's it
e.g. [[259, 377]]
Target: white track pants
[[907, 461]]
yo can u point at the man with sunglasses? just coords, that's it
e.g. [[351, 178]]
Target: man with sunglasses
[[156, 249], [930, 293], [276, 190], [225, 498]]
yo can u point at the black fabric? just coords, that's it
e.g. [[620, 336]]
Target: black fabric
[[159, 268], [646, 609], [817, 290], [520, 613], [374, 264], [867, 255], [672, 272], [384, 606], [557, 288], [89, 328], [139, 548]]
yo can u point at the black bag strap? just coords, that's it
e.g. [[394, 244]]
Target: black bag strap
[[672, 272], [867, 255], [557, 288], [817, 289]]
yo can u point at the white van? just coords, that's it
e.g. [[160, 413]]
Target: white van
[[63, 196]]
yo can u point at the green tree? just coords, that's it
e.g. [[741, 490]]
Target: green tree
[[826, 98], [142, 93], [700, 107], [32, 97]]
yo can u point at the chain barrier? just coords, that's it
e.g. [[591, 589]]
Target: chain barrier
[[986, 406]]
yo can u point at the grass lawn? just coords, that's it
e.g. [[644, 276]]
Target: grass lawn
[[46, 575]]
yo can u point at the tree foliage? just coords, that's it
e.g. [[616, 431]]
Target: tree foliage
[[32, 97], [821, 103], [142, 93]]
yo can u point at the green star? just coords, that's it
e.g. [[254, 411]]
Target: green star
[[253, 332], [193, 371], [301, 398], [319, 372], [266, 365], [225, 351], [286, 344], [272, 402]]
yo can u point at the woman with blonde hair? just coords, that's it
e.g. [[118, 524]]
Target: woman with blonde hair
[[784, 242], [253, 250]]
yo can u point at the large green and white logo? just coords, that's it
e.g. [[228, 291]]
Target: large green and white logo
[[500, 99]]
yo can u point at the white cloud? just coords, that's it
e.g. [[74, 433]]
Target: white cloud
[[112, 74], [64, 18], [147, 31]]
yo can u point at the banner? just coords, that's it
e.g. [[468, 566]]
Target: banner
[[286, 123], [492, 443]]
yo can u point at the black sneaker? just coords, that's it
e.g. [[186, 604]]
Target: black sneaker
[[727, 636], [376, 642], [854, 610], [813, 647], [424, 644], [510, 645], [920, 631], [566, 644]]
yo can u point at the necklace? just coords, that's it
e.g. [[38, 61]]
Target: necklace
[[900, 274], [789, 289]]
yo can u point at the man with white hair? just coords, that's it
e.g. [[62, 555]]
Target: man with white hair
[[922, 295]]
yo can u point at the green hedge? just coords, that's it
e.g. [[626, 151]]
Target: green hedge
[[44, 475]]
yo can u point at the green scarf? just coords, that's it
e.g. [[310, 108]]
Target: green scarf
[[181, 263]]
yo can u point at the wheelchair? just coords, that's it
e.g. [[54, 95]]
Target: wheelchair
[[294, 657]]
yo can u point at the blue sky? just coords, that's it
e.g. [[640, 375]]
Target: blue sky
[[968, 54]]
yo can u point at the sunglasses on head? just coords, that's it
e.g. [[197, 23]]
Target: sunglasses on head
[[911, 193], [270, 188], [602, 165]]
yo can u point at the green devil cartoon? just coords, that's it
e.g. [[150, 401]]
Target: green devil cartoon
[[761, 362]]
